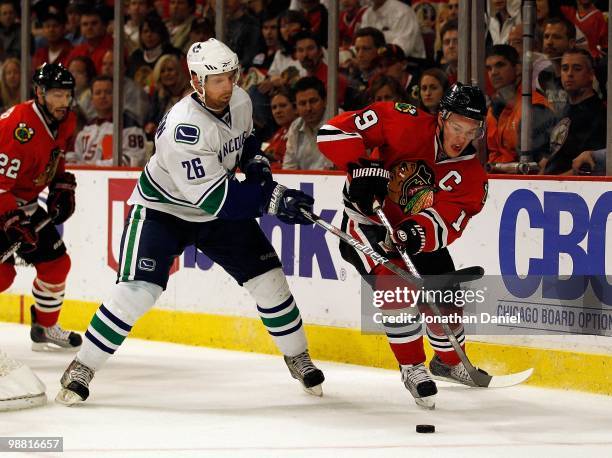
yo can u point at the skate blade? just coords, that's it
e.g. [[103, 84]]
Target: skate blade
[[53, 348], [68, 398], [427, 402], [316, 390], [26, 402]]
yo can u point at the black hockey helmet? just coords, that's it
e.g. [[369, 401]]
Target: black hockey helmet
[[465, 100], [53, 76]]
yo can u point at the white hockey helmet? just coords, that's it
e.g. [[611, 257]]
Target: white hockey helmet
[[211, 57]]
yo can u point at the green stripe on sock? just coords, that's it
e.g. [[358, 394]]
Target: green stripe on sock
[[282, 320], [130, 245], [106, 332]]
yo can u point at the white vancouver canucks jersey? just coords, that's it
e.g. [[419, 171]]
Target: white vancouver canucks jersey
[[196, 154]]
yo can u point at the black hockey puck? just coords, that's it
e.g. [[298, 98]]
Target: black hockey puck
[[425, 429]]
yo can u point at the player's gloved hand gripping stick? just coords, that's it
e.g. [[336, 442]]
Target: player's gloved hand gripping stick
[[450, 279], [15, 246]]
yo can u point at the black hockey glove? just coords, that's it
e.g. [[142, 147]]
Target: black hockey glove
[[285, 203], [18, 228], [253, 163], [369, 181], [410, 236], [61, 201]]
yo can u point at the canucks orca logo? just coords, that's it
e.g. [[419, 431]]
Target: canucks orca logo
[[187, 133], [23, 133], [146, 264]]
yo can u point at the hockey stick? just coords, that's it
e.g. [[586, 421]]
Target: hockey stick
[[15, 246], [449, 279], [478, 377]]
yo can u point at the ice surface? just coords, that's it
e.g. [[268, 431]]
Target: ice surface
[[158, 400]]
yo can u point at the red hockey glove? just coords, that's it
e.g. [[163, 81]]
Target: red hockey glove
[[61, 202], [18, 228]]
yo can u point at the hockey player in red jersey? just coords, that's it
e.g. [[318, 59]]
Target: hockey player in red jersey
[[425, 170], [33, 138]]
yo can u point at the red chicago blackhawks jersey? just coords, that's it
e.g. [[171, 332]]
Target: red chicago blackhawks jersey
[[441, 195], [30, 154]]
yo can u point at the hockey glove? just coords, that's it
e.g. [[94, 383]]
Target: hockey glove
[[61, 202], [18, 228], [286, 204], [253, 163], [410, 236], [369, 181]]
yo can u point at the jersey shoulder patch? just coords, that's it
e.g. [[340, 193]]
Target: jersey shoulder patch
[[186, 133], [23, 133], [405, 108]]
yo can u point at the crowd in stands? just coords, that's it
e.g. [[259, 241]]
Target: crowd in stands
[[390, 50]]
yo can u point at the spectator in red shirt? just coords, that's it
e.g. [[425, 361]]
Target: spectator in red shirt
[[284, 113], [309, 52], [97, 41], [317, 16], [58, 48], [350, 18], [592, 23]]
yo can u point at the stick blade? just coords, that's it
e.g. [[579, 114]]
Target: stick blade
[[502, 381]]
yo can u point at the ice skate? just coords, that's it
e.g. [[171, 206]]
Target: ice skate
[[53, 338], [302, 369], [455, 374], [418, 381], [75, 384], [20, 388]]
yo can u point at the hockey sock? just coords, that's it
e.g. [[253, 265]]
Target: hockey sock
[[48, 301], [48, 289], [443, 347], [405, 339], [278, 311], [114, 319]]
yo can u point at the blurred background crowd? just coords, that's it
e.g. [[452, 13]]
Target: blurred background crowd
[[389, 50]]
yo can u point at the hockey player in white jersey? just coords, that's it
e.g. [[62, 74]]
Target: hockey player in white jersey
[[188, 194]]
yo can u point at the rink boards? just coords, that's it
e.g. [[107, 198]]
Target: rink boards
[[527, 227]]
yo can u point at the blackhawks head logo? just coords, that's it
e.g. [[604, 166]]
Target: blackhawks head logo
[[412, 186], [23, 133]]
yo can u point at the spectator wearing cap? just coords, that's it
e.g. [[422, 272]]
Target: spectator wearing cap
[[367, 42], [310, 54], [349, 20], [449, 35], [317, 16], [432, 86], [243, 33], [394, 63], [137, 10], [399, 24], [302, 152], [181, 15], [58, 47], [10, 30], [96, 40]]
